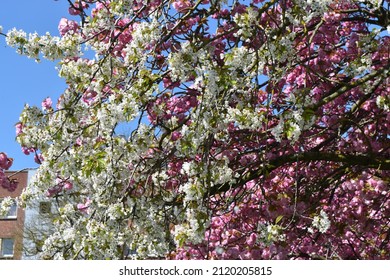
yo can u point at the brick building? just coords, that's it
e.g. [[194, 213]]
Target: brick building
[[11, 225]]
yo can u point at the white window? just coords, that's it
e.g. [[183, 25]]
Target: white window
[[7, 247], [12, 212]]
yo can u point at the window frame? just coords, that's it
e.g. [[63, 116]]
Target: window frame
[[44, 207], [7, 256], [8, 216]]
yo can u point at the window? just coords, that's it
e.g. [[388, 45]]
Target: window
[[44, 207], [7, 248], [12, 212]]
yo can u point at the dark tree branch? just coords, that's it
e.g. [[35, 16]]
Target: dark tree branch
[[368, 161]]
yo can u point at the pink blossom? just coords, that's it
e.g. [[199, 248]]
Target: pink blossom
[[181, 5], [76, 8], [5, 162], [38, 158], [66, 26], [26, 151], [9, 184], [19, 128], [84, 207], [47, 103], [175, 135], [53, 191], [68, 185], [64, 184]]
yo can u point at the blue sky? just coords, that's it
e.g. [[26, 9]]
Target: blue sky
[[23, 80]]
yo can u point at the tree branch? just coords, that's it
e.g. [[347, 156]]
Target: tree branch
[[369, 161]]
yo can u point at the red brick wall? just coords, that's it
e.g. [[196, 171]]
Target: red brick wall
[[14, 228]]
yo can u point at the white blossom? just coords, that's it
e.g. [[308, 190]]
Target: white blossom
[[321, 222], [5, 205], [16, 37], [116, 211], [181, 63], [270, 233], [383, 102], [278, 130]]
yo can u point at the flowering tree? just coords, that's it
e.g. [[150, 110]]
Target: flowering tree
[[259, 129]]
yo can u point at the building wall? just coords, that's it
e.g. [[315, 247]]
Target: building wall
[[13, 228], [37, 225]]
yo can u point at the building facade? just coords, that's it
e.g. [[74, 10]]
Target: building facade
[[37, 225], [12, 224]]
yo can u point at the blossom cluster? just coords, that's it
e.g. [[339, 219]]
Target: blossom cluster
[[5, 181]]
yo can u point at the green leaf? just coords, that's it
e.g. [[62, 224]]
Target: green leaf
[[278, 219]]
